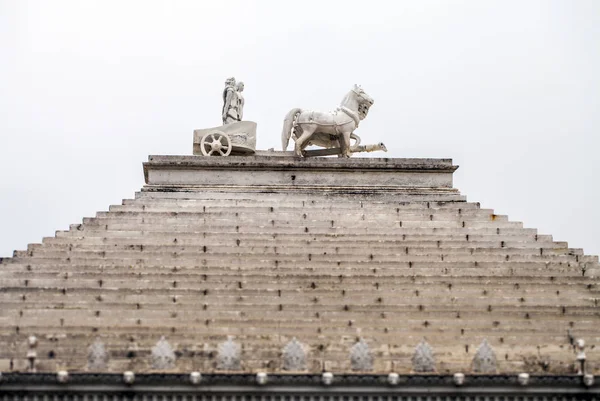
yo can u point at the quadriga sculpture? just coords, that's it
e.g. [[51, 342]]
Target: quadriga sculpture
[[327, 129]]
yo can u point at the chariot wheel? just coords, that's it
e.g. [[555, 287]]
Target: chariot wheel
[[216, 143]]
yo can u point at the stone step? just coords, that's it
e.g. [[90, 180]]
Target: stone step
[[326, 220], [316, 264], [157, 239], [343, 293], [400, 233], [312, 198], [358, 302], [175, 245], [322, 271], [217, 253], [268, 213], [193, 274], [510, 322], [282, 227], [227, 200], [276, 207], [407, 286], [378, 253]]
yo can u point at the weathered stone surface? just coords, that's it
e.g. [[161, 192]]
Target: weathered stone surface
[[267, 261], [434, 175]]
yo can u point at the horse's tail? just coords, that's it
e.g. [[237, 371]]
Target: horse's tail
[[288, 124]]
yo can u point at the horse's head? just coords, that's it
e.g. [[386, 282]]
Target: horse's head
[[364, 101]]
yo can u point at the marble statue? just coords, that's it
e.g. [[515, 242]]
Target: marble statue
[[423, 360], [235, 137], [360, 356], [97, 356], [327, 129], [233, 101], [239, 88], [484, 360], [229, 355], [163, 356], [294, 356]]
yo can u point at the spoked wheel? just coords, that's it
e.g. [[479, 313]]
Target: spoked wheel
[[216, 143]]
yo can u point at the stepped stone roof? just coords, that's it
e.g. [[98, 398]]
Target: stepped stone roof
[[244, 263]]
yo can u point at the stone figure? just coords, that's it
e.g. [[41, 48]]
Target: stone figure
[[360, 356], [163, 356], [331, 129], [423, 360], [239, 88], [229, 355], [294, 356], [97, 356], [484, 360], [232, 105]]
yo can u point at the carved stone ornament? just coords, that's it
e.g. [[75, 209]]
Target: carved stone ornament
[[332, 130], [97, 356], [233, 101], [484, 360], [163, 356], [294, 357], [229, 355], [423, 360], [360, 356]]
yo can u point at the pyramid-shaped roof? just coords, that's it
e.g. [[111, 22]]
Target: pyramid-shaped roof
[[266, 263]]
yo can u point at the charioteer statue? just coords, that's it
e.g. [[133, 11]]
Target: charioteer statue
[[233, 101]]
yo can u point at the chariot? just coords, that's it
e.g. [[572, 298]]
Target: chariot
[[236, 139]]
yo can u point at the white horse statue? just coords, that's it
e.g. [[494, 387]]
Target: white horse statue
[[331, 129]]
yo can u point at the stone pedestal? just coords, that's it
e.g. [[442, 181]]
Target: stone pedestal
[[414, 175]]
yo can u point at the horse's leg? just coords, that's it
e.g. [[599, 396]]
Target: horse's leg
[[345, 143], [307, 131], [342, 145]]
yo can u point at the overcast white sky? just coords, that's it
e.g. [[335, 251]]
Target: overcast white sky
[[509, 89]]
